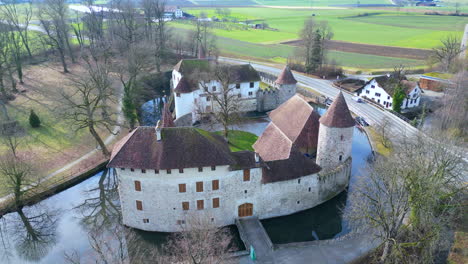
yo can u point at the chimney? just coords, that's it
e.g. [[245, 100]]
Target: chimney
[[257, 158], [158, 130]]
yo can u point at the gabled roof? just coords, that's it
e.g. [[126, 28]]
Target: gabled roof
[[296, 166], [179, 147], [273, 144], [286, 77], [189, 66], [185, 86], [167, 120], [338, 114], [298, 120], [243, 73]]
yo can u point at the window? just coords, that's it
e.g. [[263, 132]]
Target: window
[[367, 92], [139, 205], [122, 168], [200, 169], [138, 186], [215, 185], [182, 188], [251, 85], [146, 220], [213, 88], [238, 85], [310, 189], [199, 186], [180, 222], [132, 169], [298, 202], [213, 168], [250, 93], [341, 157], [143, 171], [178, 94], [245, 191], [181, 170], [247, 175], [372, 86], [185, 206], [341, 137], [388, 97], [215, 202], [377, 94], [299, 181], [156, 171], [169, 171], [208, 98], [378, 101], [200, 204]]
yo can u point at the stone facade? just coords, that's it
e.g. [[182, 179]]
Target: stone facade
[[334, 146], [161, 200]]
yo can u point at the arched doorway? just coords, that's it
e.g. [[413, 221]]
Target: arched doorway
[[245, 210]]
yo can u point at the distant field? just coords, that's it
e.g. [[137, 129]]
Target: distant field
[[378, 27], [275, 2]]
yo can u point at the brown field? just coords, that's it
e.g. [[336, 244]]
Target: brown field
[[407, 53]]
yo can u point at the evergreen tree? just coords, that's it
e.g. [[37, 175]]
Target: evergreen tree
[[398, 97], [34, 120], [129, 110]]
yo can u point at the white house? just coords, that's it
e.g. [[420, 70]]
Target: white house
[[173, 12], [190, 96], [380, 90], [169, 175]]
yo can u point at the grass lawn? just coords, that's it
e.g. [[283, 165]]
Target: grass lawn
[[381, 27], [379, 148], [240, 140]]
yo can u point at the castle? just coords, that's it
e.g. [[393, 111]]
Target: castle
[[168, 174], [194, 84]]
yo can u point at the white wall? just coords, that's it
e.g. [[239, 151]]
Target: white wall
[[162, 202], [383, 99], [412, 99]]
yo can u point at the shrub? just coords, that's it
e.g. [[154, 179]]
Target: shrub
[[34, 120]]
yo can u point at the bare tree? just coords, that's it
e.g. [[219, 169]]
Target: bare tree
[[200, 242], [225, 103], [447, 52], [314, 37], [53, 19], [18, 177], [383, 129], [19, 18], [84, 109], [124, 27]]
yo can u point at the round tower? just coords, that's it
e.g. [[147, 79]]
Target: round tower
[[335, 135], [286, 84]]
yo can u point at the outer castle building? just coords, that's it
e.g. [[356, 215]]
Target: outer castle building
[[169, 174]]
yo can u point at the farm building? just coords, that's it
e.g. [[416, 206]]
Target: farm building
[[381, 90], [169, 175], [433, 83]]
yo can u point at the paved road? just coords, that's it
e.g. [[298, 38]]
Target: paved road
[[464, 42]]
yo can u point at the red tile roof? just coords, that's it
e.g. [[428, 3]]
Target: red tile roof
[[273, 144], [167, 120], [338, 114], [185, 86], [286, 77], [180, 147]]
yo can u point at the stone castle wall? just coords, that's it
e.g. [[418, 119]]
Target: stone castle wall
[[332, 143]]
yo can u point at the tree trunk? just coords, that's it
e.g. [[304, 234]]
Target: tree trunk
[[70, 50], [62, 59], [385, 252], [99, 141]]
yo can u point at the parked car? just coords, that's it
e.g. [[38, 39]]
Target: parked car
[[358, 99], [328, 101], [361, 121]]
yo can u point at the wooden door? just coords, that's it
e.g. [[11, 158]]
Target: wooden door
[[245, 210]]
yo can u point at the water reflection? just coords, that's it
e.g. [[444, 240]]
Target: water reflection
[[32, 232]]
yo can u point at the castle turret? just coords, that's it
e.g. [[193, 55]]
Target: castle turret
[[286, 84], [335, 135]]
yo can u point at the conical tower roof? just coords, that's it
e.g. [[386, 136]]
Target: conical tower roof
[[338, 114], [286, 77], [167, 120]]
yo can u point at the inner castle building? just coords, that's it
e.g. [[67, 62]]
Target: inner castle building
[[169, 174]]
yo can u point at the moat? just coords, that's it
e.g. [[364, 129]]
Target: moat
[[66, 222]]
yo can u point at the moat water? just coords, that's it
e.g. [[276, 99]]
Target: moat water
[[71, 222]]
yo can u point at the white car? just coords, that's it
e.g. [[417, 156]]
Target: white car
[[357, 99]]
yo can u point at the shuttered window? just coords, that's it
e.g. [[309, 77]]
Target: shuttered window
[[168, 171], [185, 206], [247, 175], [139, 205], [182, 188], [213, 168], [215, 185], [215, 202], [138, 186], [200, 204], [181, 170], [200, 169], [199, 186]]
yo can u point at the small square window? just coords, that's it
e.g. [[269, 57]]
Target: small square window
[[132, 169], [238, 85], [143, 171], [200, 204], [178, 94], [298, 202], [185, 206], [213, 168], [146, 220], [251, 85], [156, 171], [168, 171], [310, 189], [122, 168], [200, 169], [181, 170], [250, 93], [245, 191]]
